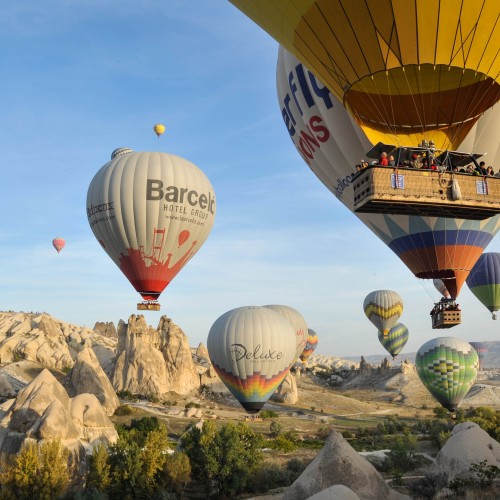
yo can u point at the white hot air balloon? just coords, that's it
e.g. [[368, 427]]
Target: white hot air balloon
[[297, 321], [151, 212], [383, 308], [251, 349], [441, 288]]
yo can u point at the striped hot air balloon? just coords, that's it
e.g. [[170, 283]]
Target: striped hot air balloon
[[395, 340], [448, 368], [331, 142], [383, 308], [484, 281], [482, 351], [252, 350], [311, 344]]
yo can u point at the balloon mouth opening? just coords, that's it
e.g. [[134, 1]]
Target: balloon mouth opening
[[252, 407], [146, 295]]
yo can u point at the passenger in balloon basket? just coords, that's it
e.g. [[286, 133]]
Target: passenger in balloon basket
[[383, 160], [445, 305], [392, 161]]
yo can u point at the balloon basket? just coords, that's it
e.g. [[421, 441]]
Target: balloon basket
[[423, 192], [446, 318], [148, 306]]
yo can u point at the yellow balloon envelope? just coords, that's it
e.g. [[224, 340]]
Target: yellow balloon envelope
[[159, 129]]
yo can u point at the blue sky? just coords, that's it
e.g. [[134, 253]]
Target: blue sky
[[80, 79]]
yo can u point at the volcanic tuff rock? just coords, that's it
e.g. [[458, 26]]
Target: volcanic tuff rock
[[44, 339], [87, 376], [338, 463], [152, 361], [106, 329], [336, 492], [287, 391], [468, 445], [43, 410]]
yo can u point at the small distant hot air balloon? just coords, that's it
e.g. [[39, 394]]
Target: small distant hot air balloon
[[159, 129], [151, 212], [58, 244], [484, 281], [311, 344], [482, 352], [252, 350], [441, 288], [299, 325], [383, 308], [448, 368], [395, 340]]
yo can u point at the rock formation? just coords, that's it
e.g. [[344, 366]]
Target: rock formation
[[337, 492], [152, 361], [87, 376], [106, 329], [43, 410], [468, 445], [365, 369], [339, 464], [287, 391]]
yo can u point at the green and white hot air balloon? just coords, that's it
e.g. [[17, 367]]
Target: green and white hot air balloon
[[448, 367], [252, 350], [395, 340], [383, 308]]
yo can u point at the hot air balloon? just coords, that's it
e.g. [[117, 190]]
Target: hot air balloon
[[383, 308], [297, 321], [395, 340], [311, 344], [151, 212], [484, 281], [58, 244], [405, 72], [159, 129], [441, 288], [482, 352], [448, 368], [252, 350], [331, 142]]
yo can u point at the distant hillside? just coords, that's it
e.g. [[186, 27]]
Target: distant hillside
[[492, 359]]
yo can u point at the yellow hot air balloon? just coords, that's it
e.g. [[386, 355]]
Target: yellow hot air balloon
[[159, 129], [406, 71]]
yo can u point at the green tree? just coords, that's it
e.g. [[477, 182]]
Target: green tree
[[99, 476], [177, 470], [39, 471], [224, 459]]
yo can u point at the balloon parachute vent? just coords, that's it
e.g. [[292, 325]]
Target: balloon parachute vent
[[148, 306], [120, 152]]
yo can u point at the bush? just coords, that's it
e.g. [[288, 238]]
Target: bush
[[428, 486], [127, 395], [275, 428], [481, 478], [266, 414], [124, 410]]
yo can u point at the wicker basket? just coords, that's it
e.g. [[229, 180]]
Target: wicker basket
[[447, 318], [426, 192]]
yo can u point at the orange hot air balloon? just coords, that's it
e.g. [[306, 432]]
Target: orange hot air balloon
[[58, 244]]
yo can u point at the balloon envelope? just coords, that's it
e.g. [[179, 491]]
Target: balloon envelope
[[448, 368], [58, 244], [395, 340], [297, 321], [151, 212], [311, 344], [397, 87], [383, 308], [482, 352], [251, 349], [484, 281], [332, 143]]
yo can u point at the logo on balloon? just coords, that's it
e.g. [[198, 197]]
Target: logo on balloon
[[239, 352]]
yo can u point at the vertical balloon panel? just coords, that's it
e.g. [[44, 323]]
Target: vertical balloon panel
[[251, 349]]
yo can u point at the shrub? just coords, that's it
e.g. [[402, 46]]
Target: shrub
[[124, 410], [481, 478], [428, 486], [275, 428], [266, 414]]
